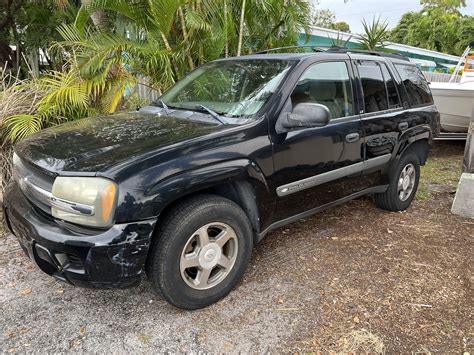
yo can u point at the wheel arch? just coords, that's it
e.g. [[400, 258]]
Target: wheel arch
[[421, 147], [240, 181], [417, 140]]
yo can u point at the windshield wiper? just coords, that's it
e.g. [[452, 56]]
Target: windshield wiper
[[213, 114], [165, 106]]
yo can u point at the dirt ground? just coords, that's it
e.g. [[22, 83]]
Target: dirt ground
[[354, 278]]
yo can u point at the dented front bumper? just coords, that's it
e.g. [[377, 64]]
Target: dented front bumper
[[112, 258]]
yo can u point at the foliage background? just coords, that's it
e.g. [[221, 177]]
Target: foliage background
[[439, 26]]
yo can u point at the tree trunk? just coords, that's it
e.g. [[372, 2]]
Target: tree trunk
[[185, 37], [7, 59], [241, 29], [33, 61], [7, 24], [226, 34]]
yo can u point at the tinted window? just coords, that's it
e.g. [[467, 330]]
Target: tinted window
[[393, 99], [415, 83], [326, 84], [373, 85]]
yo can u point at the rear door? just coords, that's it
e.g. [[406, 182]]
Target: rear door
[[382, 114]]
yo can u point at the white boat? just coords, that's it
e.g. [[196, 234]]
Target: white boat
[[455, 101]]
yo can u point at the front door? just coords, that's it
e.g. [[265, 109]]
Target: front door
[[316, 166]]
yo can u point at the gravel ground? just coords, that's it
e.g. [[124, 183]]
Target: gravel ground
[[352, 278]]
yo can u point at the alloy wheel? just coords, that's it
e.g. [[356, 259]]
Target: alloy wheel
[[209, 255], [406, 182]]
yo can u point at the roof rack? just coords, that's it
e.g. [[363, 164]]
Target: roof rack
[[314, 48], [337, 49]]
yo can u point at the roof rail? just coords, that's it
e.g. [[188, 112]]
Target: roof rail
[[314, 48], [337, 49]]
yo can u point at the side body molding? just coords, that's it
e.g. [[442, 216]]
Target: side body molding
[[320, 179]]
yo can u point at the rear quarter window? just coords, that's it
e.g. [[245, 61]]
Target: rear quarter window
[[416, 85]]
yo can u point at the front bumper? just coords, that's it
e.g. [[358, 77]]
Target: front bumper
[[113, 258]]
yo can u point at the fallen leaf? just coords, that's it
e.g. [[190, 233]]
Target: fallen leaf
[[23, 330], [25, 292]]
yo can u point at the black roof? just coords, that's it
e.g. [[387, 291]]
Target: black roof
[[276, 53]]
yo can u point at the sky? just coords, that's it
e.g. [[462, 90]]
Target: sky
[[353, 11]]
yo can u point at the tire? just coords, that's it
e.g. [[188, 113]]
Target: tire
[[181, 258], [394, 199]]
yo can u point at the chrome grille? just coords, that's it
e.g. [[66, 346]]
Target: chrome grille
[[38, 187], [35, 184]]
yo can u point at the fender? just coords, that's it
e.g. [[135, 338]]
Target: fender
[[417, 133], [409, 138], [244, 174]]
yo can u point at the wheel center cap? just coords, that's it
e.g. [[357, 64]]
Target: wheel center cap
[[210, 255]]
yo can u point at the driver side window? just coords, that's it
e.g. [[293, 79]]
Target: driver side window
[[327, 84]]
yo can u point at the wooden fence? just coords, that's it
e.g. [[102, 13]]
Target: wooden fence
[[145, 91]]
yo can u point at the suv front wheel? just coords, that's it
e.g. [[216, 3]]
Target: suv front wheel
[[202, 251], [403, 184]]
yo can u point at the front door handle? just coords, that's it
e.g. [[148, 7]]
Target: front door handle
[[402, 126], [353, 137]]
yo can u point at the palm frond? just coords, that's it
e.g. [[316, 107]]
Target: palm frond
[[19, 127]]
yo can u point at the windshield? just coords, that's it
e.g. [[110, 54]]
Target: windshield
[[234, 88]]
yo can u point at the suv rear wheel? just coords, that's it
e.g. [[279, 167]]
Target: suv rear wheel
[[202, 251], [403, 184]]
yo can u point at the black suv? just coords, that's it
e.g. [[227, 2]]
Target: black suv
[[184, 188]]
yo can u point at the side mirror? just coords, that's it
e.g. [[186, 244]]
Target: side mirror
[[307, 115]]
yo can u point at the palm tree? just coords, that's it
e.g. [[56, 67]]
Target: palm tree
[[178, 35], [375, 34], [170, 38]]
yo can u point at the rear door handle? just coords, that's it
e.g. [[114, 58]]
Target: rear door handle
[[353, 137], [402, 126]]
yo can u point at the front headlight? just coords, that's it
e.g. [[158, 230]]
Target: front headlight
[[88, 201]]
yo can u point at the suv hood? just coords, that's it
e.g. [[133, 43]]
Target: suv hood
[[94, 144]]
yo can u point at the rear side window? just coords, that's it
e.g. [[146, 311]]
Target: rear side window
[[415, 83], [373, 85]]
